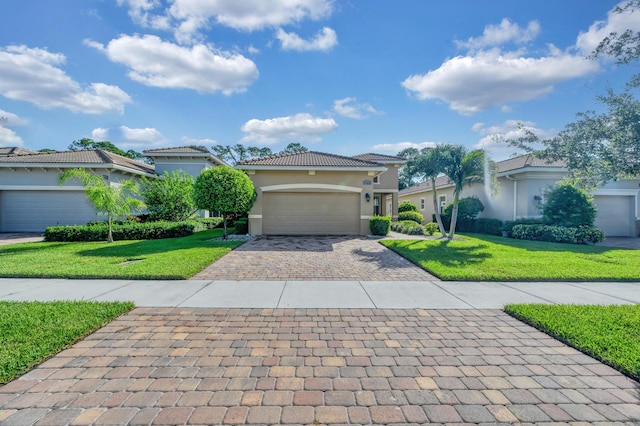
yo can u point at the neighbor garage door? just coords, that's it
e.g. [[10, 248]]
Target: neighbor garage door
[[615, 215], [310, 213], [33, 211]]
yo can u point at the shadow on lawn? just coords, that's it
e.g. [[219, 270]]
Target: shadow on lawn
[[148, 247], [442, 250]]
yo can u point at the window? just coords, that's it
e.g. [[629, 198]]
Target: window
[[421, 203], [442, 203], [376, 179]]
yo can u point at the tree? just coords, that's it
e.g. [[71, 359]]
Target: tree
[[294, 148], [112, 200], [224, 189], [170, 197], [429, 164], [86, 143], [407, 175], [463, 168], [625, 47], [233, 154], [566, 205]]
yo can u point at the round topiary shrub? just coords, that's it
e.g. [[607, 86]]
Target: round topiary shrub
[[411, 215], [406, 206], [566, 205]]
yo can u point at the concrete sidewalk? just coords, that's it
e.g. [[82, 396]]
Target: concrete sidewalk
[[321, 294]]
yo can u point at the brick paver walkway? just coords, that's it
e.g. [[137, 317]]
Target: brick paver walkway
[[318, 366], [322, 258]]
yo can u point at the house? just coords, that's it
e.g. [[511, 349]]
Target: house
[[315, 193], [521, 184], [31, 198]]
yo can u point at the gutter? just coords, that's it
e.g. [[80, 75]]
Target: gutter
[[515, 195]]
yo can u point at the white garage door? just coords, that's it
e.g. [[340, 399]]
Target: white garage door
[[33, 211], [615, 215], [310, 213]]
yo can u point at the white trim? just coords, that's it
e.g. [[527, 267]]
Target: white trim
[[317, 168], [286, 186], [365, 217], [40, 188], [384, 191], [255, 216], [60, 166]]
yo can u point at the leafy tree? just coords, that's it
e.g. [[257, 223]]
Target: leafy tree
[[169, 197], [224, 189], [468, 208], [567, 205], [463, 168], [428, 163], [46, 150], [408, 175], [625, 47], [86, 143], [233, 154], [294, 148], [112, 200]]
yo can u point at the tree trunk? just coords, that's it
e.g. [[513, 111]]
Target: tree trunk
[[224, 221], [436, 209], [110, 233], [454, 217]]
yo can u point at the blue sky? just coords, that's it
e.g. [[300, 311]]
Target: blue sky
[[344, 77]]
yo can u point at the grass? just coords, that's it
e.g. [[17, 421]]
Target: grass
[[610, 334], [31, 332], [491, 258], [171, 258]]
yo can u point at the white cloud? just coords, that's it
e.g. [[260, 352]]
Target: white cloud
[[34, 75], [397, 147], [8, 137], [141, 13], [100, 134], [493, 137], [141, 138], [194, 141], [348, 107], [486, 79], [324, 40], [9, 119], [297, 127], [158, 63], [615, 22], [505, 32]]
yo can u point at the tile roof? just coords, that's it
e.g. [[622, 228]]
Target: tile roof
[[192, 149], [425, 186], [309, 159], [87, 156], [380, 158], [14, 150]]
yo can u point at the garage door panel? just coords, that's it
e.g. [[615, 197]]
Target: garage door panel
[[615, 215], [296, 213], [33, 211]]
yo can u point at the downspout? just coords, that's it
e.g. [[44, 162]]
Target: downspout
[[515, 195]]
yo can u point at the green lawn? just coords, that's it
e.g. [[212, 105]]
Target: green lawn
[[490, 258], [171, 258], [608, 333], [31, 332]]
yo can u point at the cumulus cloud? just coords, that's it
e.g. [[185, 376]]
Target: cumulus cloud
[[505, 32], [193, 141], [297, 127], [130, 138], [493, 137], [324, 40], [615, 22], [100, 134], [487, 79], [397, 147], [8, 137], [154, 62], [348, 107], [34, 75]]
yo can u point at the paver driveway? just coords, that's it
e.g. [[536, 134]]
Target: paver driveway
[[323, 258], [318, 366]]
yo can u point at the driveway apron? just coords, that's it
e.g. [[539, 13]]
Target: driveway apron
[[313, 258]]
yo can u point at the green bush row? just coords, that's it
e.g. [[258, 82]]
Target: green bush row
[[210, 222], [407, 206], [380, 225], [408, 227], [411, 215], [124, 231], [558, 234]]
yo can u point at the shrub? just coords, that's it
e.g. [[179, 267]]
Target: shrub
[[380, 225], [566, 205], [509, 224], [468, 208], [123, 231], [408, 227], [169, 197], [210, 222], [487, 226], [431, 228], [411, 215], [558, 234], [407, 206], [242, 226]]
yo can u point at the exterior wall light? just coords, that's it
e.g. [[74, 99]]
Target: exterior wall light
[[367, 197]]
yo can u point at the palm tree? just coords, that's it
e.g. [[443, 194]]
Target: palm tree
[[463, 167], [429, 163], [114, 201]]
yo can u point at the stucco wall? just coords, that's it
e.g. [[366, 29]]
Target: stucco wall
[[192, 167]]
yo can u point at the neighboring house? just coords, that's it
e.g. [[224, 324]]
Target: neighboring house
[[190, 159], [522, 182], [31, 198], [316, 193]]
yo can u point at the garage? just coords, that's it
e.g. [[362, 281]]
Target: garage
[[311, 213], [33, 211], [616, 215]]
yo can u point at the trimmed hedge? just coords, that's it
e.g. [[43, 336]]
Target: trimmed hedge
[[407, 206], [380, 225], [241, 226], [210, 222], [410, 215], [558, 234], [509, 224], [124, 231]]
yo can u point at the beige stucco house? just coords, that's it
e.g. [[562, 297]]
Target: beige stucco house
[[315, 193], [522, 182]]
